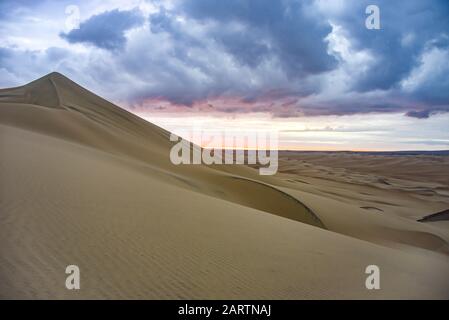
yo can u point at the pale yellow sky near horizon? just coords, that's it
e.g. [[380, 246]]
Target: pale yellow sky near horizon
[[362, 132]]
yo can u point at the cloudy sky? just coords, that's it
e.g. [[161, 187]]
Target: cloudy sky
[[309, 69]]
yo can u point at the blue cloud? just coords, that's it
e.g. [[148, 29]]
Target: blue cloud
[[407, 29], [9, 7], [424, 114], [106, 30], [292, 33], [260, 52], [4, 54]]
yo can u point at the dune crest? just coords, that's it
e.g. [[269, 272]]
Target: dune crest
[[109, 121]]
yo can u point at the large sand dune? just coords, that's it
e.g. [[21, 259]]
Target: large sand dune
[[84, 182]]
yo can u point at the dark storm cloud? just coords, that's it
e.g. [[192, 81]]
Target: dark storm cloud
[[197, 66], [407, 28], [424, 114], [259, 55], [247, 48], [284, 28], [164, 22], [351, 105], [294, 32], [105, 30]]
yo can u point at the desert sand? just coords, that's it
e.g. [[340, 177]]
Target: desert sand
[[85, 182]]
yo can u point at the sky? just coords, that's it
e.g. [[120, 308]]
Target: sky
[[311, 69]]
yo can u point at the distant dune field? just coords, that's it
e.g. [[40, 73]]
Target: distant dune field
[[85, 182]]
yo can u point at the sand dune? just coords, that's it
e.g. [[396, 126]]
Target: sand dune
[[84, 182], [439, 216]]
